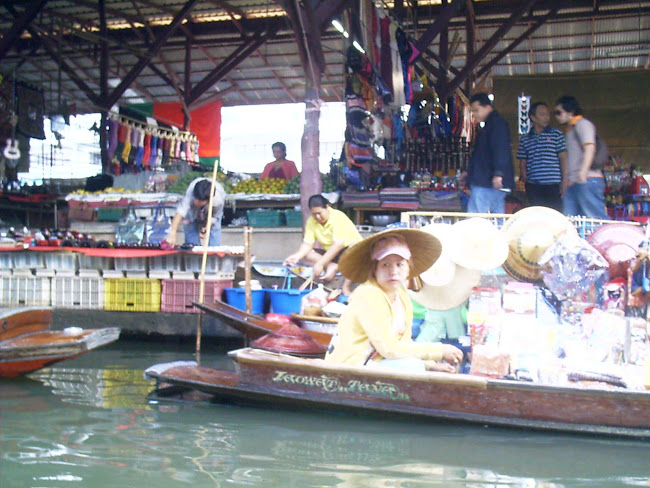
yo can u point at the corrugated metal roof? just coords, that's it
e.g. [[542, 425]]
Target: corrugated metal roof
[[615, 35]]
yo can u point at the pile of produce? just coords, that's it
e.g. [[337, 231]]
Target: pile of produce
[[256, 185], [293, 185]]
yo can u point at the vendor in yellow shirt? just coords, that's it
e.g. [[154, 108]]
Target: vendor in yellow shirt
[[334, 231], [375, 329]]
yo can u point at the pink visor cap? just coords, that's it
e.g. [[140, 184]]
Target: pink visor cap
[[390, 245]]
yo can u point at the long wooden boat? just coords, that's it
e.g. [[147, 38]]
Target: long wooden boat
[[251, 326], [272, 379], [27, 344]]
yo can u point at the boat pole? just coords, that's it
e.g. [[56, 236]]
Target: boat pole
[[248, 231], [205, 243]]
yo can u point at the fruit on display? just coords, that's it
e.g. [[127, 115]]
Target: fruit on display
[[257, 185], [293, 185], [183, 181]]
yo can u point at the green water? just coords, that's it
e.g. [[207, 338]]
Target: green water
[[88, 423]]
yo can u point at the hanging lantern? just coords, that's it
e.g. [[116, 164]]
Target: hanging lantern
[[523, 104]]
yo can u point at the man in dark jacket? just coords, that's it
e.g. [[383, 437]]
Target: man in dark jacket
[[490, 175]]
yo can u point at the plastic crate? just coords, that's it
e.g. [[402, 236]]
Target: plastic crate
[[192, 262], [61, 261], [166, 262], [177, 295], [236, 297], [264, 218], [109, 214], [28, 260], [228, 264], [78, 292], [95, 262], [293, 218], [132, 295], [286, 302], [24, 291], [131, 264], [6, 260]]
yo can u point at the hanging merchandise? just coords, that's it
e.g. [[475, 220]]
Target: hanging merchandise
[[523, 120]]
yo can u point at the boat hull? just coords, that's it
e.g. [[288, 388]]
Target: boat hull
[[273, 379], [27, 344], [249, 325]]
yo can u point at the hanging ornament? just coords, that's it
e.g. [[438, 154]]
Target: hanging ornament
[[523, 103]]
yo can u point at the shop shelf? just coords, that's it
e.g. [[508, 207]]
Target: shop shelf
[[177, 295], [61, 261], [264, 218], [132, 295], [131, 264], [78, 292], [24, 291], [28, 260], [166, 262]]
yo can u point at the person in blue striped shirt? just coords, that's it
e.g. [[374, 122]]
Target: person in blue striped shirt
[[542, 159]]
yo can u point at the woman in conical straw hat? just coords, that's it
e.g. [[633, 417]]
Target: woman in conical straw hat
[[376, 327]]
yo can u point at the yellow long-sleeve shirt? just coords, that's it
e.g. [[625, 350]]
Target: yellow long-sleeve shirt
[[367, 326]]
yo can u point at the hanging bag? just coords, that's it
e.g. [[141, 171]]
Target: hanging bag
[[158, 225], [130, 230]]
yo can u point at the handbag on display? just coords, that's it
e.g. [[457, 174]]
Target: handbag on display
[[158, 226], [130, 230]]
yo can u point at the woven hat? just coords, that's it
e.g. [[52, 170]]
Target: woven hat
[[480, 245], [442, 271], [356, 261], [529, 233], [619, 244], [450, 295]]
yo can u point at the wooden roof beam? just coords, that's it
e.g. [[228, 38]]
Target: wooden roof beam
[[241, 53], [19, 26], [448, 11], [488, 46], [527, 33], [160, 41]]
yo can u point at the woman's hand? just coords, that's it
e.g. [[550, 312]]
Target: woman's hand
[[291, 260], [451, 354], [317, 270]]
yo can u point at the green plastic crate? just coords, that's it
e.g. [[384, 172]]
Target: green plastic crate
[[264, 218], [108, 214], [293, 218]]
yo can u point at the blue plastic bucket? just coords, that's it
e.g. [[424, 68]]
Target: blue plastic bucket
[[286, 302], [237, 298]]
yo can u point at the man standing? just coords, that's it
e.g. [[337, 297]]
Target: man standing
[[585, 193], [543, 160], [490, 175]]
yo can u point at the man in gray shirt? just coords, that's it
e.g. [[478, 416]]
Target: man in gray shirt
[[585, 194]]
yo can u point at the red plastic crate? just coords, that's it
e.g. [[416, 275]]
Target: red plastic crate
[[177, 295]]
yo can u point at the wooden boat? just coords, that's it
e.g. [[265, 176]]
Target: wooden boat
[[252, 326], [273, 379], [27, 343]]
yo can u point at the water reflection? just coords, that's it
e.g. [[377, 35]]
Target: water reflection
[[88, 423]]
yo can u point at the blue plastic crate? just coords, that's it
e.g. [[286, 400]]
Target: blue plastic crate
[[236, 297]]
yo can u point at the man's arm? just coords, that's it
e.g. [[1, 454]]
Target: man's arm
[[588, 153], [564, 167], [173, 229], [500, 147], [522, 169]]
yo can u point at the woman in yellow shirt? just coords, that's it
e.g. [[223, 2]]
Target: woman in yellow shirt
[[376, 327], [334, 231]]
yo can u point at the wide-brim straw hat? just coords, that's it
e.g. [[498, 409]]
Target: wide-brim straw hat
[[442, 271], [529, 233], [619, 244], [480, 245], [356, 262], [450, 295]]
